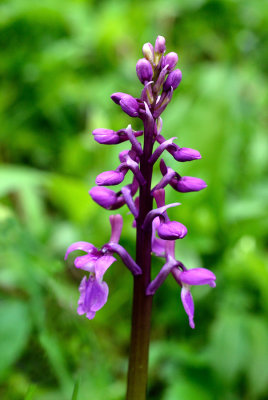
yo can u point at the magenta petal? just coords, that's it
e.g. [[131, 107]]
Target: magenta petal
[[190, 184], [188, 304], [172, 230], [93, 296], [158, 245], [103, 196], [106, 136], [110, 178], [87, 262], [85, 246], [198, 276], [129, 105], [100, 295], [102, 264], [186, 154]]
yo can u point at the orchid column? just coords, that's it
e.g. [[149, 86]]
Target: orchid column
[[157, 73]]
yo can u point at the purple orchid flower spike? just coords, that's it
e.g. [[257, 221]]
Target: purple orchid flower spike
[[155, 232]]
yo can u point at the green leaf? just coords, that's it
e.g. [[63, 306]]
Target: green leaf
[[257, 367], [75, 391], [14, 332]]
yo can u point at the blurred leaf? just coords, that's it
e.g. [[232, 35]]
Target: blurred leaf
[[30, 393], [185, 390], [14, 331], [75, 391], [257, 368], [229, 347]]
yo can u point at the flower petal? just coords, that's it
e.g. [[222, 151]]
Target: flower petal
[[198, 276], [188, 304], [87, 262], [172, 230], [85, 246], [102, 264]]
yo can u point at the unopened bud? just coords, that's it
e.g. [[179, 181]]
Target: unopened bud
[[148, 52], [171, 60], [144, 70], [160, 44], [129, 105], [173, 80]]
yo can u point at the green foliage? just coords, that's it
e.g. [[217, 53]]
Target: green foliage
[[59, 64]]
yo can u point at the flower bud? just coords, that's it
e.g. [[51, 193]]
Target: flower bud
[[171, 230], [173, 80], [171, 60], [109, 178], [106, 136], [116, 97], [129, 105], [185, 154], [148, 52], [106, 198], [160, 44], [144, 70], [190, 184]]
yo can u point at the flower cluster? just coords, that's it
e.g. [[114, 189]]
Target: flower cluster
[[159, 76]]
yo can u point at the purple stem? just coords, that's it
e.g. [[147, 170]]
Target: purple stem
[[142, 304]]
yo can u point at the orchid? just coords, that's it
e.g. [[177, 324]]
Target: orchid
[[155, 232]]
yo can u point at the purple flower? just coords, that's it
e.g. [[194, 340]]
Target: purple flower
[[180, 183], [187, 278], [93, 291]]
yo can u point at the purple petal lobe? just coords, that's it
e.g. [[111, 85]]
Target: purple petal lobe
[[160, 44], [116, 97], [173, 80], [85, 246], [188, 304], [198, 276], [148, 52], [129, 105], [185, 154], [190, 184], [116, 222], [172, 230], [103, 196], [109, 178], [106, 136], [87, 262], [144, 70], [93, 296], [102, 264], [170, 59]]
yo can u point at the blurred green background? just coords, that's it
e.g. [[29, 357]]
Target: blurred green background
[[60, 61]]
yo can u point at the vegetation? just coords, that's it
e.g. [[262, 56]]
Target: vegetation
[[60, 61]]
